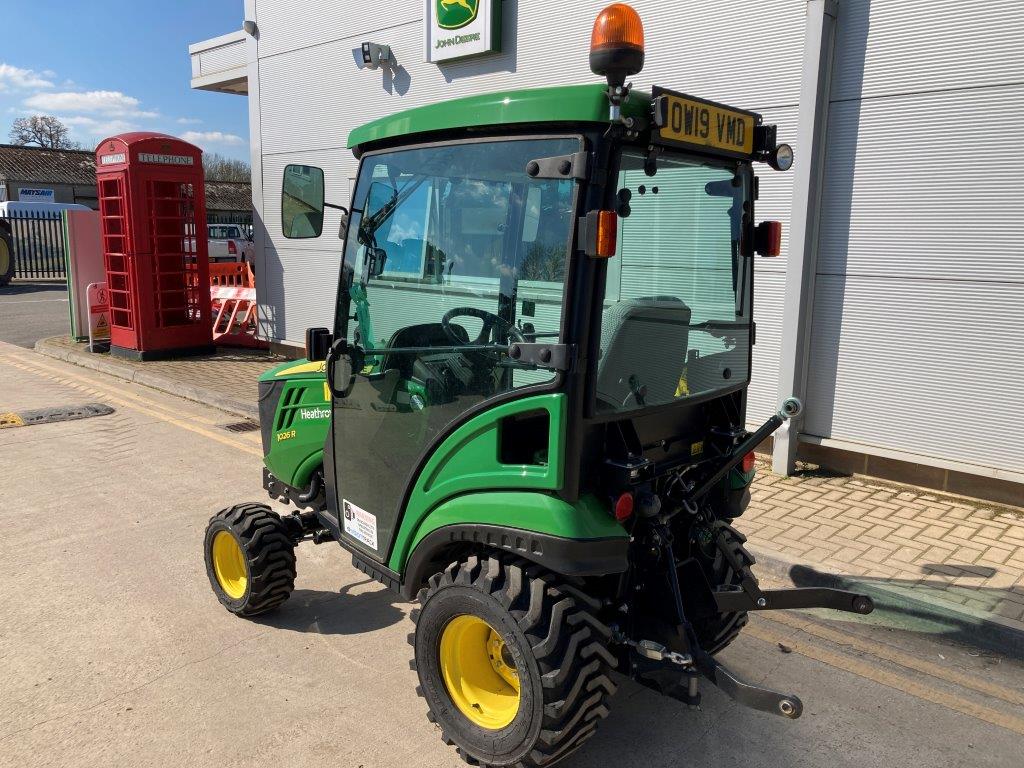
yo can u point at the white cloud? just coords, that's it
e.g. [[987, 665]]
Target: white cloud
[[213, 137], [16, 77], [93, 128], [188, 121], [106, 102]]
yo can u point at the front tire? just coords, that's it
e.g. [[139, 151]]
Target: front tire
[[250, 559], [6, 259], [512, 661]]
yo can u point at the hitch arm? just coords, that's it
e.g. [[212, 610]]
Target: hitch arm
[[734, 600], [790, 409], [747, 694]]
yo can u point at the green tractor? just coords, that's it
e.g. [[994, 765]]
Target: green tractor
[[529, 416]]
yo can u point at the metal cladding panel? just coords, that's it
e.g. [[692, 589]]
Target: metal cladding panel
[[287, 25], [312, 95], [926, 367], [227, 56], [886, 48], [769, 295], [917, 338], [306, 299], [926, 186]]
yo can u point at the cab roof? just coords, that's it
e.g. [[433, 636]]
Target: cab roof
[[561, 104]]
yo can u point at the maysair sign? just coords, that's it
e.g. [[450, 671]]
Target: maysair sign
[[459, 28]]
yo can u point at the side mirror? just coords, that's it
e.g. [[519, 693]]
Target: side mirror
[[378, 259], [345, 360], [302, 201], [318, 344]]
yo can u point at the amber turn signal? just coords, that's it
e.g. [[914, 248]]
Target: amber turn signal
[[602, 229]]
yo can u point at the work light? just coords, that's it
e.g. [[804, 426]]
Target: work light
[[782, 158]]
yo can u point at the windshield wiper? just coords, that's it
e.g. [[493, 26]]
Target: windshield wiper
[[370, 224]]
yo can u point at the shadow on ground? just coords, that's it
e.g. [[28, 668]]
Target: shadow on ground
[[932, 606], [19, 288], [337, 613]]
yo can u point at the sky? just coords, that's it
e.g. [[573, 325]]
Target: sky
[[108, 66]]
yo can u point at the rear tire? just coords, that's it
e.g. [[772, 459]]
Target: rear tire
[[549, 637], [714, 633], [250, 559], [6, 259]]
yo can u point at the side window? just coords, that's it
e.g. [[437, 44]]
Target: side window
[[545, 223], [302, 201]]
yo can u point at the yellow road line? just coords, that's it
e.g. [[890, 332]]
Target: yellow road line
[[892, 680], [147, 410], [882, 651], [131, 395]]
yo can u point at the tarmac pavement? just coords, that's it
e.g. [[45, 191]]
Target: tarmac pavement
[[114, 651], [33, 310]]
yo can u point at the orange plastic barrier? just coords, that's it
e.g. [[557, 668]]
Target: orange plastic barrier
[[233, 296], [232, 273]]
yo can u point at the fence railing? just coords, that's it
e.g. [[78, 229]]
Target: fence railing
[[38, 240]]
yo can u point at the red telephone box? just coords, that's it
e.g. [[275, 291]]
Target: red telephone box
[[153, 213]]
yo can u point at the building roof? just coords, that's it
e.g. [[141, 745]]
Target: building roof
[[75, 166], [561, 104], [228, 196], [55, 166]]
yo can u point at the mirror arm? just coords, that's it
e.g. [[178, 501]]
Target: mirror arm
[[337, 207]]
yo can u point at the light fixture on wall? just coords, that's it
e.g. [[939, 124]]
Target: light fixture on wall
[[374, 55], [249, 27]]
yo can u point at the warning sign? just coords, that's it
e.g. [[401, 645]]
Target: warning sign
[[99, 312], [360, 524]]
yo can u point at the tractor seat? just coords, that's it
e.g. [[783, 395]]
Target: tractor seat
[[424, 335], [629, 331]]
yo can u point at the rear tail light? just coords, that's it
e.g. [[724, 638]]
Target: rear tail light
[[768, 238], [748, 462], [232, 248], [624, 507]]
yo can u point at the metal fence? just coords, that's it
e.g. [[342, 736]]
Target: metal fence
[[38, 240]]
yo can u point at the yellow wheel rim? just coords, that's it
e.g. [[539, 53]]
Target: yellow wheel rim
[[479, 673], [5, 257], [229, 565]]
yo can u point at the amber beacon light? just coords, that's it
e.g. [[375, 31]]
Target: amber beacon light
[[617, 44]]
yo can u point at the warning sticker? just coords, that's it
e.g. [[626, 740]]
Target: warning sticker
[[360, 524]]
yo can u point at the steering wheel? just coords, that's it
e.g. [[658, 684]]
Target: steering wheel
[[490, 321]]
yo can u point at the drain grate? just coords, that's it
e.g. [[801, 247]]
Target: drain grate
[[241, 426], [50, 415]]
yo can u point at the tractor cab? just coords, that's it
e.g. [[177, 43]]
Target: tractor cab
[[530, 412]]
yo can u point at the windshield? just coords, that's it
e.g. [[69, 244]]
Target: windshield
[[676, 320], [456, 247]]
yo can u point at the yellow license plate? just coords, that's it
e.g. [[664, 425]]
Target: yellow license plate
[[685, 120]]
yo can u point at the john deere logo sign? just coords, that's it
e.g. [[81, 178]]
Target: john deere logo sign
[[455, 14], [456, 29]]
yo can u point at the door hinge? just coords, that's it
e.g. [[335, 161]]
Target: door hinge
[[572, 166]]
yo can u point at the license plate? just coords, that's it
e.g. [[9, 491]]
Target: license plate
[[685, 121]]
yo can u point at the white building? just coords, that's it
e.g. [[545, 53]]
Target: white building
[[896, 309]]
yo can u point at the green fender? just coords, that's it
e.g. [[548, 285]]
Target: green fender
[[575, 539]]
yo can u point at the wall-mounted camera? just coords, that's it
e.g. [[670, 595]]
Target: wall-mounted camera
[[374, 55]]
